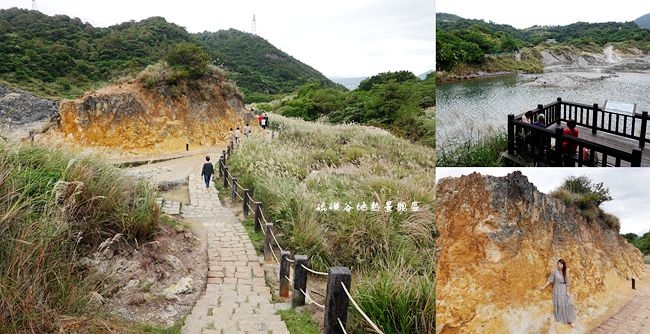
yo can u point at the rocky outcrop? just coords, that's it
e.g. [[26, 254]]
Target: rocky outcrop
[[22, 113], [610, 59], [131, 117], [499, 240]]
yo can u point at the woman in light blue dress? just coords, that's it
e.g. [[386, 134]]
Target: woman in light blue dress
[[562, 302]]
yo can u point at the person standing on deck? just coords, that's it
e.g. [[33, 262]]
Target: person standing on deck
[[207, 172], [541, 121]]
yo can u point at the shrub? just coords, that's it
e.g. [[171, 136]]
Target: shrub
[[55, 209], [189, 61], [229, 90]]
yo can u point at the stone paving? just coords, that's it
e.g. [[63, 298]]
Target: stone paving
[[634, 317], [236, 299]]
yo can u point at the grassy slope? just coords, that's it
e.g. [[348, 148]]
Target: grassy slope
[[41, 240], [392, 254]]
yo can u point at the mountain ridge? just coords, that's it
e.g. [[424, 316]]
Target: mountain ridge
[[62, 56], [643, 21]]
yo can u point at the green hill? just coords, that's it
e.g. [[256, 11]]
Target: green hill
[[462, 42], [63, 56], [643, 21]]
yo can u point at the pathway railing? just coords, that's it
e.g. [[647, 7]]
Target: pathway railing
[[337, 296], [534, 141]]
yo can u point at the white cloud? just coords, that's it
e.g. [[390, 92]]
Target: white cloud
[[334, 36]]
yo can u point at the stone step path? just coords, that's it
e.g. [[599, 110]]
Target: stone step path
[[169, 207], [236, 299], [634, 317]]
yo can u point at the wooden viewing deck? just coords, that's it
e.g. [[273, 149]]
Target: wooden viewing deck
[[606, 138]]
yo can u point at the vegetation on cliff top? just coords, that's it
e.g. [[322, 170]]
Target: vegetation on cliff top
[[56, 209], [463, 42], [397, 101], [391, 253], [587, 196], [61, 56]]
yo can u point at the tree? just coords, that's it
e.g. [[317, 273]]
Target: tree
[[630, 237], [592, 193], [189, 61]]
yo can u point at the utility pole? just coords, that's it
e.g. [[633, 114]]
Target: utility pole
[[34, 5], [253, 26]]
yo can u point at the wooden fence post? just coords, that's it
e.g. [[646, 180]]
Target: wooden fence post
[[636, 158], [187, 147], [644, 130], [220, 166], [233, 192], [228, 151], [299, 280], [223, 154], [633, 284], [225, 177], [268, 239], [559, 145], [594, 121], [285, 268], [558, 111], [336, 300], [246, 196], [511, 134], [258, 216]]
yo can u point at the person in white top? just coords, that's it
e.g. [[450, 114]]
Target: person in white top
[[237, 135], [247, 130]]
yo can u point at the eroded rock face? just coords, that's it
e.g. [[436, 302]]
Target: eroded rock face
[[499, 240], [130, 117]]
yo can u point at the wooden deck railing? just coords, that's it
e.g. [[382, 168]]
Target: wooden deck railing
[[534, 141]]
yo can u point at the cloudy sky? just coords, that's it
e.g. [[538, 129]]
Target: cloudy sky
[[628, 187], [523, 14], [338, 38]]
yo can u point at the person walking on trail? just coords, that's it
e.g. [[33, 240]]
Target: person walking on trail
[[207, 172], [562, 302], [231, 136], [259, 119], [247, 130], [265, 121], [237, 135]]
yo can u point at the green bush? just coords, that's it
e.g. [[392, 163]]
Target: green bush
[[55, 209]]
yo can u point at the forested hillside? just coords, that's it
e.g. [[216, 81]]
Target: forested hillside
[[643, 21], [397, 101], [63, 56], [462, 41]]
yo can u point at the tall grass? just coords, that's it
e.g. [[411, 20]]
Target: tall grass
[[484, 152], [308, 164], [54, 209]]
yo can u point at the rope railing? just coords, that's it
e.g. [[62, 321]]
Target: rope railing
[[276, 241], [342, 327], [314, 271], [334, 297], [363, 314], [273, 253], [312, 301]]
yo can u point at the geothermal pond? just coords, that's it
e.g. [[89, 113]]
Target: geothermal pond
[[471, 110]]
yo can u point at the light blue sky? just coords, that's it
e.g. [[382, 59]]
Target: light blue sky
[[337, 37], [630, 188]]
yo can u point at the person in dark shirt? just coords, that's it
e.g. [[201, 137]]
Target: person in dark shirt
[[207, 172]]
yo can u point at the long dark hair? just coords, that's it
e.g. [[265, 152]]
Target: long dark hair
[[563, 269]]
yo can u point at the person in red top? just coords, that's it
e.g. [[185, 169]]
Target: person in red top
[[570, 131], [259, 118]]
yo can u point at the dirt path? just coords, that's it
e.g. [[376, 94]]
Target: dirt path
[[236, 299], [175, 170], [634, 317]]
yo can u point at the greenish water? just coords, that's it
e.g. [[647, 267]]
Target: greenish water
[[471, 110]]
